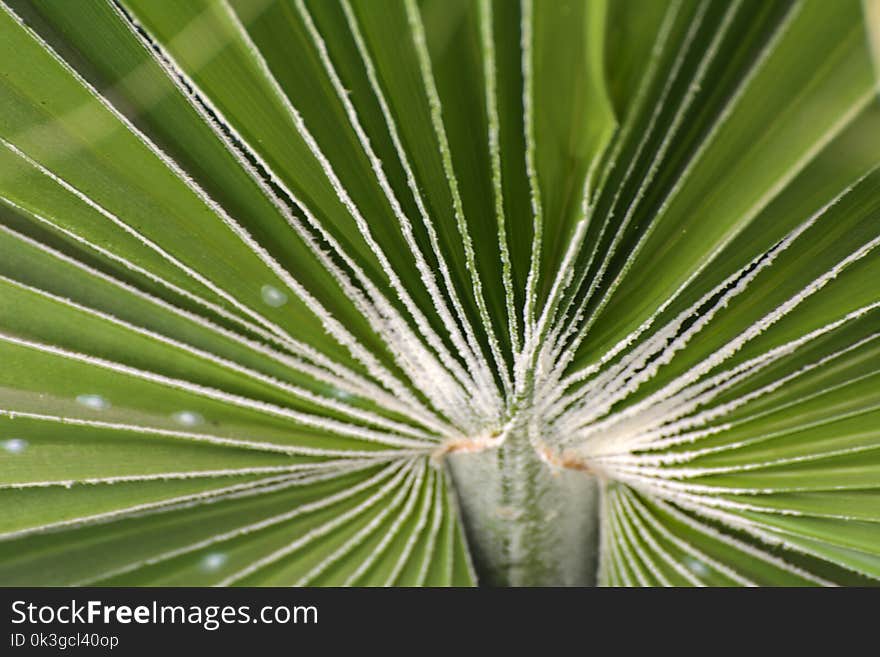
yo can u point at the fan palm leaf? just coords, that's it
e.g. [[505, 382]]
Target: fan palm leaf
[[438, 292]]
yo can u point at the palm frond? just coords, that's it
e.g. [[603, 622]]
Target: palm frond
[[438, 292]]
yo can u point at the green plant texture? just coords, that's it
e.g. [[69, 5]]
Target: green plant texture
[[439, 292]]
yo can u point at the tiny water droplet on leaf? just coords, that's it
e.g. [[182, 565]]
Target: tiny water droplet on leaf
[[213, 561], [14, 445], [95, 402], [696, 567], [272, 296], [188, 418], [341, 394]]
